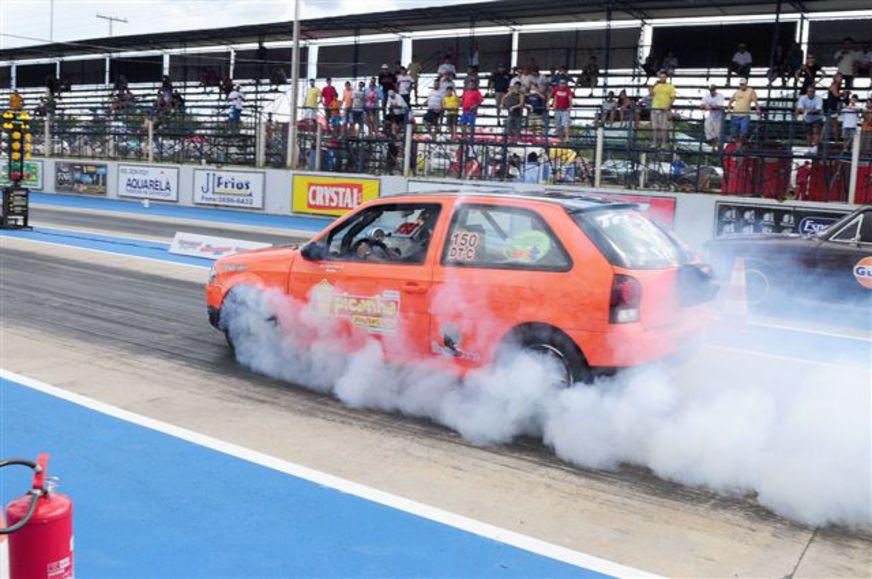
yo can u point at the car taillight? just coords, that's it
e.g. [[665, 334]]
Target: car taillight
[[626, 297]]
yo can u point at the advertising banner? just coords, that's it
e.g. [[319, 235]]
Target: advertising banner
[[148, 182], [331, 195], [750, 218], [229, 188], [32, 174], [87, 178], [210, 247]]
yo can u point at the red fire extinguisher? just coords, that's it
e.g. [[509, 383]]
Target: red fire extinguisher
[[40, 528]]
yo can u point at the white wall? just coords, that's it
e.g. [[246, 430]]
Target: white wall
[[694, 219]]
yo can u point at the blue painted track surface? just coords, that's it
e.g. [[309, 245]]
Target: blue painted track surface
[[113, 244], [210, 214], [149, 504]]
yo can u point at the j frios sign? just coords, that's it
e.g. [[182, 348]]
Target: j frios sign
[[229, 188], [148, 182], [331, 195]]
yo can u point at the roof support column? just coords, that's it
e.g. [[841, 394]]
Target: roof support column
[[312, 64], [291, 156], [406, 50], [107, 78], [515, 43], [607, 63]]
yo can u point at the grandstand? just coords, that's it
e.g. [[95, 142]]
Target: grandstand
[[702, 35]]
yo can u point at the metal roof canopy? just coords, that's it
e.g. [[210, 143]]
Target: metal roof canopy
[[496, 13]]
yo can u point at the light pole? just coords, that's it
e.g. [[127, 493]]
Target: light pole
[[112, 19], [51, 21], [295, 80]]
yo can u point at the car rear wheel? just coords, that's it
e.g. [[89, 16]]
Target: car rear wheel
[[556, 349]]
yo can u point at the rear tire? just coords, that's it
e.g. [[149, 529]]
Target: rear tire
[[556, 346]]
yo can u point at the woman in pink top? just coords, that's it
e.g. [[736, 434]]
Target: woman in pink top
[[347, 97]]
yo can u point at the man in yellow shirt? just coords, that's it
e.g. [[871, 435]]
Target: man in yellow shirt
[[16, 101], [740, 106], [662, 97], [310, 103]]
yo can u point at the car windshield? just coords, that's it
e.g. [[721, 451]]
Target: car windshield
[[630, 239]]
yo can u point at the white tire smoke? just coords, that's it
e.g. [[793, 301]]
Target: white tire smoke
[[797, 438]]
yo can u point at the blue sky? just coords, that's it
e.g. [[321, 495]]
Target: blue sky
[[76, 19]]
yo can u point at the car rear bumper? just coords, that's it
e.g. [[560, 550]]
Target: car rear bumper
[[634, 344]]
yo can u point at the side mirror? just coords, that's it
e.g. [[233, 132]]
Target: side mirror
[[314, 251]]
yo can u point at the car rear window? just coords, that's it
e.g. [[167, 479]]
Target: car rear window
[[630, 239]]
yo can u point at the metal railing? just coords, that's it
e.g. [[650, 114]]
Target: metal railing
[[770, 156]]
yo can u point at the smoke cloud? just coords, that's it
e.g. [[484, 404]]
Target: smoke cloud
[[796, 438]]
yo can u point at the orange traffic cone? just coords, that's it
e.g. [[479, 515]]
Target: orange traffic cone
[[735, 308]]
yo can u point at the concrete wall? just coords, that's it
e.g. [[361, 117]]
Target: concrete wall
[[694, 218]]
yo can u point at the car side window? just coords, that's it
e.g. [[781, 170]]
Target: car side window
[[502, 237], [866, 228], [850, 232], [395, 233]]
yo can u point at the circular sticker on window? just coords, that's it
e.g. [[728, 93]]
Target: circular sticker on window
[[528, 247], [863, 272]]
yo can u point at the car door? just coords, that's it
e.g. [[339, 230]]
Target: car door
[[838, 257], [500, 265], [376, 277]]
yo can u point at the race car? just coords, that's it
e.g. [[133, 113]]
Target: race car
[[832, 265], [458, 280]]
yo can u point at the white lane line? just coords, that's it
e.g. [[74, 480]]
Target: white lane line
[[495, 533], [800, 329], [104, 251], [167, 219], [777, 356]]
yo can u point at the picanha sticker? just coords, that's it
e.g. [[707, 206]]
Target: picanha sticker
[[863, 272], [377, 314]]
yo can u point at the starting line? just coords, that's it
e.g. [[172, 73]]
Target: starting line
[[155, 499]]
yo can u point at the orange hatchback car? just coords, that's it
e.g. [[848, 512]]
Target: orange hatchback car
[[458, 279]]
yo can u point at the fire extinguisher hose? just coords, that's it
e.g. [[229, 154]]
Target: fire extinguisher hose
[[35, 494]]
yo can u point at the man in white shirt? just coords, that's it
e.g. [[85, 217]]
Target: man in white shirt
[[713, 102], [811, 106], [741, 63], [434, 108], [236, 101], [847, 59], [404, 85]]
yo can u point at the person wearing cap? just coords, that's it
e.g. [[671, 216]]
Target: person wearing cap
[[741, 63], [740, 107], [713, 103], [663, 95], [498, 86], [387, 80]]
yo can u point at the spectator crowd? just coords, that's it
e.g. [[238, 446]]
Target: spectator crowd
[[531, 103]]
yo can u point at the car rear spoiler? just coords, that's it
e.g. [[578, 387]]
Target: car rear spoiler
[[603, 207]]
